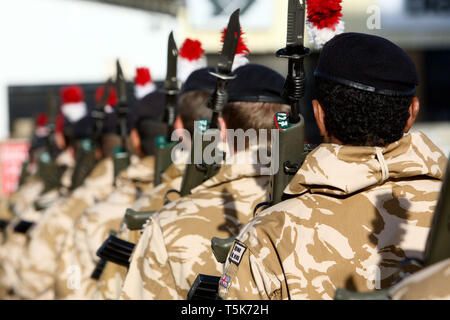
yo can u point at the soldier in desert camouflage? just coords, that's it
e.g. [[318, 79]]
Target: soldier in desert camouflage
[[362, 201], [38, 264], [176, 244], [191, 107], [93, 228], [22, 209]]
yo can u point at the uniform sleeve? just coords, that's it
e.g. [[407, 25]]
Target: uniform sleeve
[[150, 275], [245, 277], [38, 263]]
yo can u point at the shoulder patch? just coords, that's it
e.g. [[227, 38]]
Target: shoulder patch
[[225, 281], [237, 253]]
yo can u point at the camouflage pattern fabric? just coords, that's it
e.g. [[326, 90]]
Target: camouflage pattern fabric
[[21, 199], [78, 257], [357, 213], [38, 264], [176, 244], [431, 283], [14, 244], [110, 283]]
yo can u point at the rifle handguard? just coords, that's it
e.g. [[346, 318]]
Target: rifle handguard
[[121, 160], [221, 247], [438, 243], [196, 174], [23, 226], [116, 250], [205, 287], [163, 157], [86, 161], [135, 220], [291, 157], [344, 294]]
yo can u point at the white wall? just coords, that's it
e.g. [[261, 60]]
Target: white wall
[[70, 41]]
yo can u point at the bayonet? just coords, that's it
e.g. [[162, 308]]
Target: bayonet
[[121, 155], [230, 44], [224, 66], [295, 52], [171, 85], [122, 108], [164, 145], [195, 174], [98, 114], [295, 23]]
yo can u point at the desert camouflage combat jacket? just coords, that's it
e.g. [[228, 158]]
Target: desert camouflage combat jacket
[[110, 283], [431, 283], [22, 205], [78, 258], [38, 264], [176, 243], [24, 197], [357, 213]]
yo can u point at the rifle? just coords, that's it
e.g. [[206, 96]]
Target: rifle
[[121, 156], [291, 139], [116, 250], [164, 145], [290, 144], [85, 149], [292, 150], [196, 174], [48, 170]]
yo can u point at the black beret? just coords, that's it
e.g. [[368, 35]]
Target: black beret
[[149, 107], [200, 80], [80, 129], [369, 63], [256, 83], [38, 142]]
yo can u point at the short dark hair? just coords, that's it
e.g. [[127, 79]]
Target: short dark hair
[[362, 118], [192, 107], [252, 115]]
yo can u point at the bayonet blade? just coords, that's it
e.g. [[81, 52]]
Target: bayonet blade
[[295, 24], [105, 94], [230, 44], [121, 85], [171, 82]]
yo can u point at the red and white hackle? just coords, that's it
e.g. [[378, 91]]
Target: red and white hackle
[[143, 83], [324, 21], [190, 58], [73, 106], [110, 102]]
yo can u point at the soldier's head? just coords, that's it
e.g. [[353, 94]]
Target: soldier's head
[[109, 139], [147, 122], [365, 91], [77, 121], [254, 97], [193, 99]]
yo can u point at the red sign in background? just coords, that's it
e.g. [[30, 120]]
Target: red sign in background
[[12, 156]]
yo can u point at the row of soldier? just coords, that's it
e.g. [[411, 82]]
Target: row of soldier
[[358, 206]]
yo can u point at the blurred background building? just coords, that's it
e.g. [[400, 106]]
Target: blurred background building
[[50, 43]]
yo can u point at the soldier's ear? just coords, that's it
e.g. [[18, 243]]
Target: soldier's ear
[[413, 112], [223, 128], [320, 118], [178, 124], [136, 141]]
